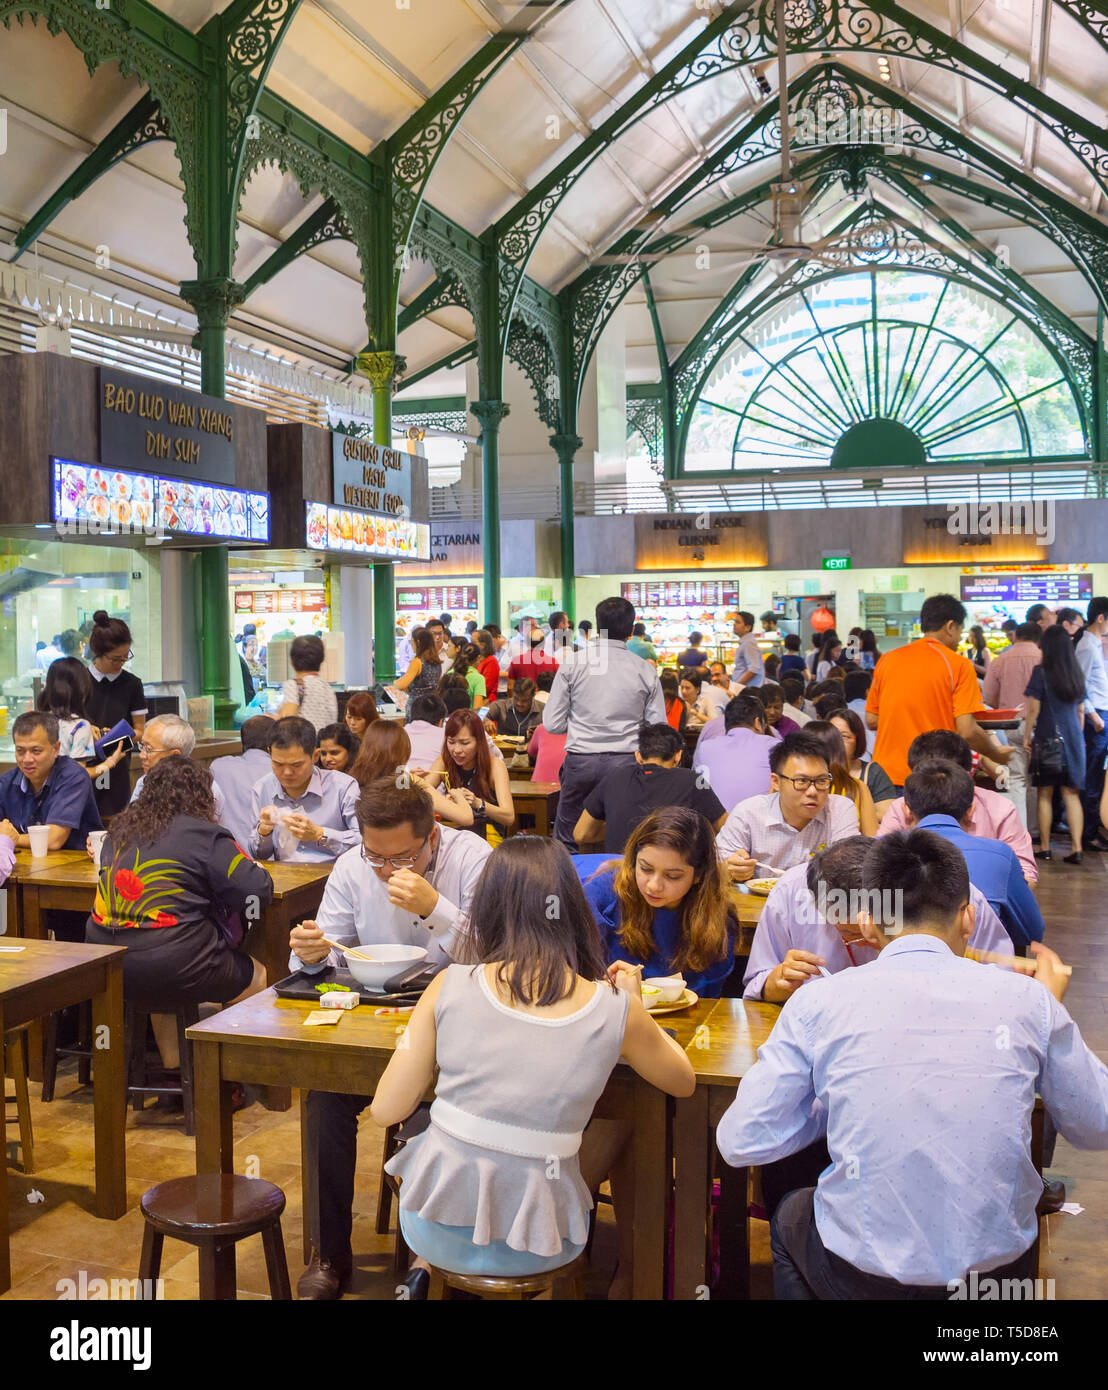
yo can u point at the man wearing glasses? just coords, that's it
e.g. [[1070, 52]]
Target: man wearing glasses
[[301, 812], [410, 882], [765, 835], [809, 922]]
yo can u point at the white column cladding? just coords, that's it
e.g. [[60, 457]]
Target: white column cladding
[[611, 401], [356, 606], [146, 612], [180, 644]]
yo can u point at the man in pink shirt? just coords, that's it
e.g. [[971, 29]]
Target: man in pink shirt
[[1006, 678], [994, 816]]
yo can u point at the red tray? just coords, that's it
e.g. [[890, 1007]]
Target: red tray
[[993, 716]]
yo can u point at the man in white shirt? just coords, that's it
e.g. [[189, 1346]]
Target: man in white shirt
[[927, 1182], [409, 881], [236, 777], [765, 835]]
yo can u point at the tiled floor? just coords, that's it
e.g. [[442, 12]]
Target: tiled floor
[[56, 1238]]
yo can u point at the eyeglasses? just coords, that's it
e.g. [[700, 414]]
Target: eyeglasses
[[149, 749], [821, 784], [404, 861], [117, 660]]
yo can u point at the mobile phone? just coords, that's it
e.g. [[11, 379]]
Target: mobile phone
[[127, 744]]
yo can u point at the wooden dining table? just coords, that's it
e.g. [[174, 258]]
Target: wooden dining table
[[67, 880], [537, 799], [38, 978]]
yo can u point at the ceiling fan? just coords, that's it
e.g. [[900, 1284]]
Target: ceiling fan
[[790, 205]]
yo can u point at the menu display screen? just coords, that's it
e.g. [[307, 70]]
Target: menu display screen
[[111, 500], [696, 593], [280, 601], [363, 533], [1026, 589], [448, 599]]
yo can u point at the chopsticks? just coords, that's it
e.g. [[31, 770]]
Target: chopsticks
[[1023, 965], [350, 951]]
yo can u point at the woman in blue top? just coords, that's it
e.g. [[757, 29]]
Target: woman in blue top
[[664, 906]]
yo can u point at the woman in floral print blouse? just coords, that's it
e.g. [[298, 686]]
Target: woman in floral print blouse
[[178, 892]]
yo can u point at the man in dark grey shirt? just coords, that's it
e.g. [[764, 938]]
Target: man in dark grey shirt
[[600, 698]]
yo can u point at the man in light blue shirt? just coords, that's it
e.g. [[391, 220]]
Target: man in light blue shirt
[[301, 811], [600, 699], [921, 1070], [236, 777], [749, 666], [939, 797]]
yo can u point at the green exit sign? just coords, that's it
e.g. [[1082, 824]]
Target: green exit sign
[[836, 562]]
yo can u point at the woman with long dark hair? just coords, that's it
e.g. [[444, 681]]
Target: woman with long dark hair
[[465, 665], [665, 905], [171, 879], [979, 654], [677, 713], [424, 669], [487, 663], [869, 653], [467, 766], [843, 782], [830, 650], [1053, 736], [862, 768], [524, 1035], [337, 748]]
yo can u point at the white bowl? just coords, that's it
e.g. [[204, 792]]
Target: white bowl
[[672, 987], [388, 960]]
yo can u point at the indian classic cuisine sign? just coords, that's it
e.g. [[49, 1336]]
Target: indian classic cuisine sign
[[144, 421], [371, 477], [714, 540]]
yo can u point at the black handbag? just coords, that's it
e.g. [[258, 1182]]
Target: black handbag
[[1048, 757]]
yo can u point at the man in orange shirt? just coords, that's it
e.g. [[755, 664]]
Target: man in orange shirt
[[927, 685]]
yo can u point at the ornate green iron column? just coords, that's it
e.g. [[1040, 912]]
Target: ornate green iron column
[[566, 446], [382, 368], [490, 414], [213, 301]]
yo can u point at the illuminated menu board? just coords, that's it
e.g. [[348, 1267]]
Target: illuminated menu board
[[280, 601], [1026, 589], [449, 599], [107, 501], [390, 537], [696, 593]]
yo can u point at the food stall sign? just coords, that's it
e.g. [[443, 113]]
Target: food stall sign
[[366, 533], [149, 421]]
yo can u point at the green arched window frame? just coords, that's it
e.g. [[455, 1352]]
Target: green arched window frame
[[786, 403]]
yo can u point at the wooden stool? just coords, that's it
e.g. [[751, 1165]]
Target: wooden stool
[[81, 1049], [390, 1188], [565, 1283], [15, 1066], [213, 1211], [139, 1085]]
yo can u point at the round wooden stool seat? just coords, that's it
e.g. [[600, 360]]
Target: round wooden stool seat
[[214, 1211], [564, 1282], [212, 1204]]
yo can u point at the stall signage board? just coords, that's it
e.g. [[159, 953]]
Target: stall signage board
[[705, 540], [280, 601], [938, 535], [695, 593], [105, 502], [148, 424], [1026, 589], [377, 479], [366, 533]]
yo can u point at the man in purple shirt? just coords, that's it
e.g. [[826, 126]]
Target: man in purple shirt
[[736, 765]]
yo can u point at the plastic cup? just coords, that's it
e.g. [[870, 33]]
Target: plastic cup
[[39, 836], [96, 840]]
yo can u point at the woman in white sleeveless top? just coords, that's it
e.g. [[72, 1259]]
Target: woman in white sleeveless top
[[525, 1040]]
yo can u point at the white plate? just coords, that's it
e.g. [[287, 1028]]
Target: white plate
[[686, 1001]]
